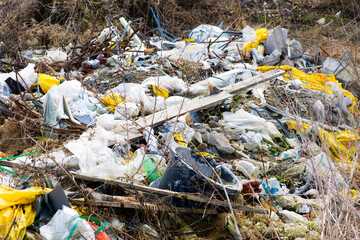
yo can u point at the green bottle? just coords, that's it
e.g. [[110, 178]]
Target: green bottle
[[149, 166]]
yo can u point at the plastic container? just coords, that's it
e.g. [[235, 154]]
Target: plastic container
[[151, 168]]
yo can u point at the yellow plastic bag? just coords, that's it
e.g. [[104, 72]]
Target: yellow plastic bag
[[47, 81], [158, 91], [315, 81], [341, 145], [17, 211], [112, 100], [262, 35]]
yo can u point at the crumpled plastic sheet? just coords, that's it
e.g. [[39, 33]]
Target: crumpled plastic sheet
[[17, 211]]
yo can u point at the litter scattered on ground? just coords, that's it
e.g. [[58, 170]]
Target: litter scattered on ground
[[243, 129]]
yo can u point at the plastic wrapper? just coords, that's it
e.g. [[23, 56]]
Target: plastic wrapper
[[67, 224], [203, 32], [241, 120], [54, 56]]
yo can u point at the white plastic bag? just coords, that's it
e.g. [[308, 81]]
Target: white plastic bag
[[295, 49], [90, 153], [203, 32], [248, 34], [54, 56], [170, 84], [105, 33], [219, 81], [57, 100], [249, 169], [83, 111], [71, 89], [125, 110], [151, 140], [27, 74], [4, 89], [56, 109], [323, 167], [241, 120], [65, 222], [343, 102]]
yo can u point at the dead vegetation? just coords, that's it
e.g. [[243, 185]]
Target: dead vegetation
[[44, 24]]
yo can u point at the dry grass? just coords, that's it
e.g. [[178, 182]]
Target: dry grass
[[43, 24]]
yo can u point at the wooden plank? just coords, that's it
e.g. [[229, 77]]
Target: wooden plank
[[152, 207], [104, 200], [156, 191], [196, 104], [141, 188], [188, 107]]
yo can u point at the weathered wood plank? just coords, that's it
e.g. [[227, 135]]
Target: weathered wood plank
[[141, 188], [196, 104]]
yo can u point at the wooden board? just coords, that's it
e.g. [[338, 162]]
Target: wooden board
[[195, 104], [141, 188]]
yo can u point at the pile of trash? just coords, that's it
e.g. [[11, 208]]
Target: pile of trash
[[226, 134]]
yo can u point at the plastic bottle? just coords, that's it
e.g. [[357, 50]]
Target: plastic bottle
[[150, 164]]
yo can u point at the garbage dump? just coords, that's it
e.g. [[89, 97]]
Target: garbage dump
[[226, 134]]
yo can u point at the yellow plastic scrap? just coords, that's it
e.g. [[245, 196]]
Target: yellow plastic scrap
[[112, 100], [187, 40], [267, 206], [160, 92], [315, 81], [112, 47], [262, 35], [47, 81], [17, 211], [342, 145], [179, 139], [206, 155]]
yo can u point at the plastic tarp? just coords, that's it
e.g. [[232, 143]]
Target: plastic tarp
[[17, 211], [342, 145], [315, 81]]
